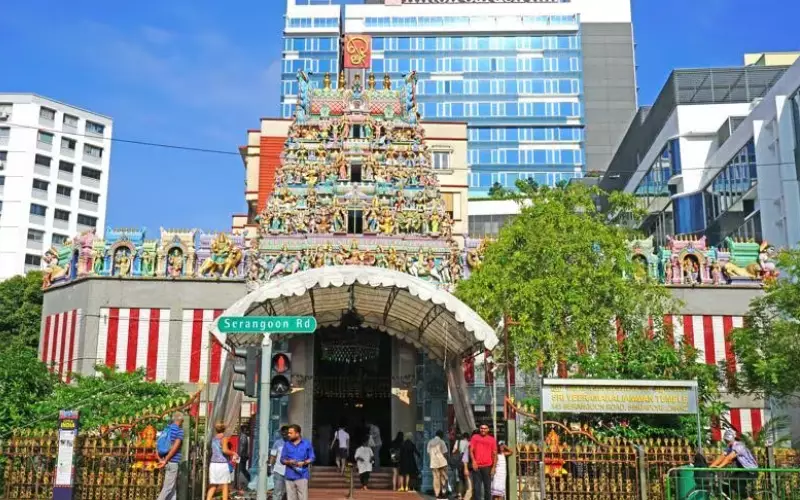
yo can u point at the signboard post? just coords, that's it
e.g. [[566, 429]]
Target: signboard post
[[63, 483]]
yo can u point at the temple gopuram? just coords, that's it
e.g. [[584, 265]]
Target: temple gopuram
[[357, 194]]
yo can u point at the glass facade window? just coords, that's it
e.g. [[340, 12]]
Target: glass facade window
[[688, 213], [512, 90], [731, 183], [796, 124], [312, 22], [655, 183]]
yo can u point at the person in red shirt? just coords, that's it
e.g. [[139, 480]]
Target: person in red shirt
[[483, 457]]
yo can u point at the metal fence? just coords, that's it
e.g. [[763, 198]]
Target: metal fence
[[614, 468], [689, 483], [119, 469]]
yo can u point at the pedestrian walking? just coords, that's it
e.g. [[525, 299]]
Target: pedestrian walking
[[243, 451], [169, 453], [222, 463], [297, 455], [408, 462], [483, 455], [364, 460], [278, 469], [460, 450], [394, 456], [437, 454], [375, 443], [341, 442]]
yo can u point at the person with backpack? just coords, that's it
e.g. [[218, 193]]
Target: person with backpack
[[168, 448]]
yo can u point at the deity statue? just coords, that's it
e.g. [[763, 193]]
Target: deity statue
[[148, 263], [357, 87], [447, 226], [380, 258], [122, 262], [766, 261], [387, 222], [98, 264], [175, 263], [342, 166], [371, 81], [326, 81], [387, 82], [369, 170], [53, 270], [433, 223], [339, 219], [668, 271], [371, 220], [716, 273], [224, 259], [324, 224]]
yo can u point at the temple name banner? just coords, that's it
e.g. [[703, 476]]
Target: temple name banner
[[619, 396]]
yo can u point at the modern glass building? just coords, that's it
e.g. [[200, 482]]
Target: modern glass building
[[547, 87]]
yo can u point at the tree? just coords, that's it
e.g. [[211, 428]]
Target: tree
[[21, 309], [498, 192], [768, 346], [108, 398], [563, 272], [24, 380]]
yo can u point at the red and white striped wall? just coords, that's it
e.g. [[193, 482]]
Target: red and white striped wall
[[743, 421], [59, 342], [133, 338], [196, 360], [710, 335]]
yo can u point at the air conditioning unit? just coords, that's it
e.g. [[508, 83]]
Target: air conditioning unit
[[4, 115]]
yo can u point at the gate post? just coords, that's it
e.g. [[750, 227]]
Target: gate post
[[641, 471], [511, 436]]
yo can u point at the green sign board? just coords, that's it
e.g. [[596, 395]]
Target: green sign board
[[267, 324]]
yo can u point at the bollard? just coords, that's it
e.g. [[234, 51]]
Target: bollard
[[350, 495]]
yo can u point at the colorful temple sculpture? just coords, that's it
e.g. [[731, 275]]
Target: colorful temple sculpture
[[690, 261], [355, 186]]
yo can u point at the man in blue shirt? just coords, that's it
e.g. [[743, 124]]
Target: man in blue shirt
[[172, 459], [297, 456]]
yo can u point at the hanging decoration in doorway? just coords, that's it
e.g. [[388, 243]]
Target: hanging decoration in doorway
[[354, 344]]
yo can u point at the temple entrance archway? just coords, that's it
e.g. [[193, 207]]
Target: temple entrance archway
[[431, 332]]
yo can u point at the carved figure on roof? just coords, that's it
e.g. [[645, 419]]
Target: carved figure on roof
[[357, 87], [434, 221], [54, 270], [122, 262], [387, 222], [149, 258], [371, 220], [224, 259], [371, 81], [341, 81], [338, 220], [387, 82], [175, 263], [326, 81], [99, 259], [766, 260]]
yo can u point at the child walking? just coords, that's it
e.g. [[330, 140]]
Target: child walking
[[364, 460]]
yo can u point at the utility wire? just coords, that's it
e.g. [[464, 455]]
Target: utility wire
[[236, 153]]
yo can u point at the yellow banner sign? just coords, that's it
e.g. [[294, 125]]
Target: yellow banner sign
[[618, 398]]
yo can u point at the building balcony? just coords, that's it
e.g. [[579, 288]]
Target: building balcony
[[65, 176], [61, 224], [4, 140], [94, 160], [34, 245], [47, 122], [89, 182], [71, 129], [88, 206], [82, 228], [42, 170], [63, 200], [44, 146], [36, 219], [69, 153], [39, 194]]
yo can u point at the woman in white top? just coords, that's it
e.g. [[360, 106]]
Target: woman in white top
[[499, 479], [364, 459]]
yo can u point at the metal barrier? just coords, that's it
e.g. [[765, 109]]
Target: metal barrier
[[702, 483]]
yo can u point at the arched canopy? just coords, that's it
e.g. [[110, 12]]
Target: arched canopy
[[397, 303]]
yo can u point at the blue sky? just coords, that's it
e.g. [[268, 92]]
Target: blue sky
[[199, 73]]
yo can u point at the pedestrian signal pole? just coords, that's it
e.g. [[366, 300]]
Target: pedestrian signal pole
[[263, 418]]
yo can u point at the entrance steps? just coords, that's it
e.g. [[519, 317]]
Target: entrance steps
[[342, 494], [329, 478]]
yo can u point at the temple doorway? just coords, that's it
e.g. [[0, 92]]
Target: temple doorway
[[352, 386]]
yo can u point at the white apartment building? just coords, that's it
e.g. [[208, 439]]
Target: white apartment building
[[54, 167]]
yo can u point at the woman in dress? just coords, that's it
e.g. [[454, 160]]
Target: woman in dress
[[220, 470], [394, 455], [408, 462], [499, 479]]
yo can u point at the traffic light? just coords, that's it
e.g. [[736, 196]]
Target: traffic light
[[280, 384], [250, 368]]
